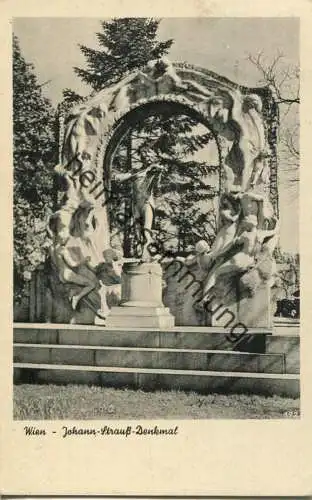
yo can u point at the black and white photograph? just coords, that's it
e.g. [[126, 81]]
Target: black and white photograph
[[156, 219]]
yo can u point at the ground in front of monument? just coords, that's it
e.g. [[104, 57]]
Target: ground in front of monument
[[81, 402]]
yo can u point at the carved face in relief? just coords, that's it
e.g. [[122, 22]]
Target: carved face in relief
[[110, 270], [158, 67], [58, 228], [202, 247], [217, 111], [252, 101]]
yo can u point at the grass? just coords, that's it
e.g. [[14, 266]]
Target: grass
[[40, 402]]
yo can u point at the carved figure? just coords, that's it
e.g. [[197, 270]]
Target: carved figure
[[239, 121], [144, 183], [162, 72], [228, 220], [260, 175], [69, 261], [243, 260], [108, 274], [250, 140], [254, 249], [256, 204], [83, 126]]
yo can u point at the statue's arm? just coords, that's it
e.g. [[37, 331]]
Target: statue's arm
[[69, 261], [265, 236], [129, 175], [256, 197], [236, 109], [190, 260], [191, 85], [149, 78], [229, 217], [225, 249], [121, 177]]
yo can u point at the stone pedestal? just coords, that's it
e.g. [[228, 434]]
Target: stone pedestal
[[222, 309], [141, 298], [256, 311], [183, 290]]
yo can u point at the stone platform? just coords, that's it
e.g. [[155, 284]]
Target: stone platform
[[146, 317], [141, 299], [184, 358]]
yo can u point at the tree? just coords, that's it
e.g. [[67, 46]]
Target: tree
[[185, 212], [33, 159], [288, 270], [127, 44], [283, 78]]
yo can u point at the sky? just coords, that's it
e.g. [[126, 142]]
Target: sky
[[218, 44]]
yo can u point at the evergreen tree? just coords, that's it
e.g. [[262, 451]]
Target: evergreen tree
[[127, 44], [33, 159], [187, 186]]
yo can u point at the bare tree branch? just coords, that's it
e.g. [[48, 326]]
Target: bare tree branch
[[284, 80]]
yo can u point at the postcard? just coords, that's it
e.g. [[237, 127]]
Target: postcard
[[155, 248]]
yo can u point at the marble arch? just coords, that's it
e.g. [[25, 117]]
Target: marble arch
[[244, 122]]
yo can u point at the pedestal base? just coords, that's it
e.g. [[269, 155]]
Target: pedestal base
[[256, 311], [140, 317], [141, 299]]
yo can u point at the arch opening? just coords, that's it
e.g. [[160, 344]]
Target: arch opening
[[181, 141]]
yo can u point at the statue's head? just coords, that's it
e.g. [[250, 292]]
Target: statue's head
[[99, 111], [111, 255], [263, 155], [110, 270], [202, 247], [252, 101], [58, 230], [217, 110]]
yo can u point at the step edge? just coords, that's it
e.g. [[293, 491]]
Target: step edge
[[174, 329], [156, 371], [142, 349]]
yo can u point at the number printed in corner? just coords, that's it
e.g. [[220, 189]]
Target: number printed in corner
[[292, 413]]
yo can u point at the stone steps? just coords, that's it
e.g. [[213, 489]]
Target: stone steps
[[204, 382], [207, 338], [146, 357], [184, 358], [286, 326], [188, 337]]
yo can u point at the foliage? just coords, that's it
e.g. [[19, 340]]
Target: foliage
[[185, 194], [71, 97], [125, 44], [288, 272], [171, 141], [33, 158]]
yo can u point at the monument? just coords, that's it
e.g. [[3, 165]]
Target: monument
[[86, 270]]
